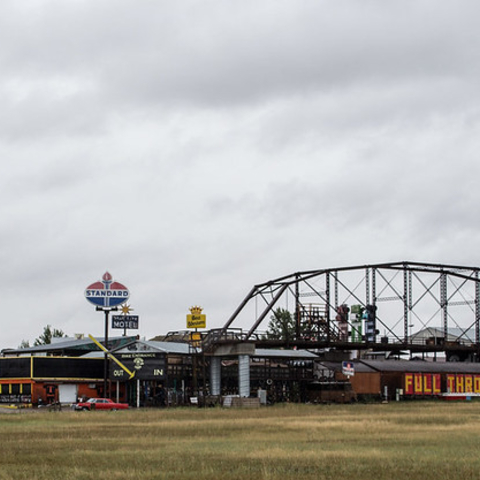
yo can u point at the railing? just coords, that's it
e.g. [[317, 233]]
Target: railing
[[217, 336], [220, 335]]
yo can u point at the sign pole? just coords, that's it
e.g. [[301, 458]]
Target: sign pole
[[106, 295], [196, 320], [106, 393]]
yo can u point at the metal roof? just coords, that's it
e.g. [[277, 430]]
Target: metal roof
[[164, 347], [288, 354], [66, 345], [85, 346], [182, 348], [406, 366], [453, 334], [418, 366]]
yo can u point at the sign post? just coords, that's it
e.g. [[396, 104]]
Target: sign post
[[196, 319], [105, 366], [106, 295]]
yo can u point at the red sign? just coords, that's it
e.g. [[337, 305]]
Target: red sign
[[422, 384], [431, 383]]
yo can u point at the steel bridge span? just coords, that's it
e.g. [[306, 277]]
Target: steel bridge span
[[391, 307]]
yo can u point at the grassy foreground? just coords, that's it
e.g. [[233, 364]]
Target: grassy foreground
[[424, 440]]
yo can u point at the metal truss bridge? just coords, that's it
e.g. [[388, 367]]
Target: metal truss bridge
[[389, 307]]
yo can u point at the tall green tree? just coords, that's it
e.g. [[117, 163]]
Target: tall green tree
[[46, 337], [24, 344], [281, 325]]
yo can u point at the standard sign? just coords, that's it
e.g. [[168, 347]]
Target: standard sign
[[125, 321], [107, 293]]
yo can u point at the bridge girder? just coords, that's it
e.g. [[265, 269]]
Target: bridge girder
[[426, 296]]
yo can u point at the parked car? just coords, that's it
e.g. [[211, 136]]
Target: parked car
[[100, 404]]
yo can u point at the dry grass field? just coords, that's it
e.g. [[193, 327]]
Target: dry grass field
[[414, 440]]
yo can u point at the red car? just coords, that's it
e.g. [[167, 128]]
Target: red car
[[100, 404]]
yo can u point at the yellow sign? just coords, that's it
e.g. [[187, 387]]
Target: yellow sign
[[196, 339], [196, 321]]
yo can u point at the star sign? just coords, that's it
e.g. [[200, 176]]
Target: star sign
[[126, 309]]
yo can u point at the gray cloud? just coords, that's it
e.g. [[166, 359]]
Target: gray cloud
[[194, 149]]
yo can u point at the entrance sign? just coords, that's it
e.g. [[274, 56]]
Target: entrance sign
[[107, 293], [196, 319], [146, 365], [125, 321]]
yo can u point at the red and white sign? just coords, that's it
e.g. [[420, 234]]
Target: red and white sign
[[107, 293]]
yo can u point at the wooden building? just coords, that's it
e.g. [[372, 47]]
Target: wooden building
[[407, 379]]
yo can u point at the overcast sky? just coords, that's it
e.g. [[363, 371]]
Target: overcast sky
[[196, 148]]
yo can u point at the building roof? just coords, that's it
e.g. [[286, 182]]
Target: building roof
[[419, 366], [179, 348], [407, 366], [454, 334], [67, 346], [287, 354], [182, 348]]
